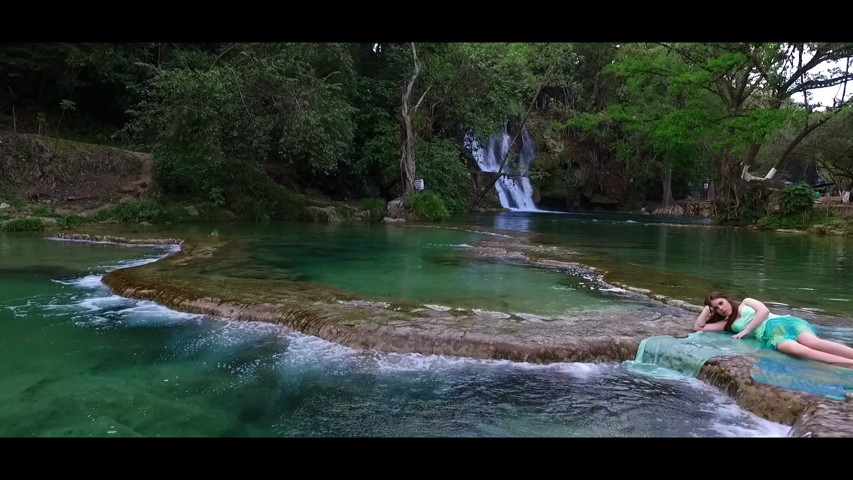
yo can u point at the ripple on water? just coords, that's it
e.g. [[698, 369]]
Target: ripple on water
[[157, 372]]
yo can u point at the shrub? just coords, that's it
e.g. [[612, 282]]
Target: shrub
[[772, 222], [41, 211], [441, 164], [257, 197], [798, 199], [148, 210], [72, 221], [427, 206], [832, 226], [24, 225]]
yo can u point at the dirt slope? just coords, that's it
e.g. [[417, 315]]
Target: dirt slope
[[68, 176]]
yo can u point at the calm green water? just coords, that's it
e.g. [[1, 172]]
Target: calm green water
[[425, 265], [77, 361], [808, 272]]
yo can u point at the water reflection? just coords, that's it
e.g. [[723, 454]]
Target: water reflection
[[508, 221], [803, 270]]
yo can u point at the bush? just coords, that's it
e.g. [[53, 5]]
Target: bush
[[441, 164], [772, 222], [40, 211], [798, 199], [148, 210], [835, 227], [268, 201], [427, 206], [255, 196], [72, 221], [24, 225]]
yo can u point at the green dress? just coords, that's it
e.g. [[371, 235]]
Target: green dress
[[774, 329]]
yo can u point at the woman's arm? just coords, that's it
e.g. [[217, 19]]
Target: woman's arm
[[710, 327], [701, 324], [761, 312]]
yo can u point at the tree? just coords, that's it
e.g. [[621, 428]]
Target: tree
[[659, 116], [832, 150], [407, 157], [753, 84], [795, 68]]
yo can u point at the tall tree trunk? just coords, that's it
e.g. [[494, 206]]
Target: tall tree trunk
[[669, 206], [729, 188], [407, 157]]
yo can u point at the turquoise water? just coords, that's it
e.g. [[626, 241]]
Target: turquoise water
[[427, 265], [78, 361], [807, 272]]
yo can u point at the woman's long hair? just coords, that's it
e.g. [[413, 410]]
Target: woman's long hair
[[716, 317]]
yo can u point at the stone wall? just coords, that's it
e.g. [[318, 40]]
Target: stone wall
[[697, 208]]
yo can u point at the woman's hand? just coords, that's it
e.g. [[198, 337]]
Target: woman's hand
[[761, 313]]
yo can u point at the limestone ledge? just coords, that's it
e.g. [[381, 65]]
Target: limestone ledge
[[181, 281]]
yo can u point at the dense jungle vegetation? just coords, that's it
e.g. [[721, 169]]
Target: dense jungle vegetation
[[256, 128]]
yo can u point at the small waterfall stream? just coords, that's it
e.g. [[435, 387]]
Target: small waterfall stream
[[513, 187]]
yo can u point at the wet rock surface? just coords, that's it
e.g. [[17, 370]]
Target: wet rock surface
[[195, 280]]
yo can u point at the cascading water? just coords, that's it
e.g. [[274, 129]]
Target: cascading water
[[513, 186]]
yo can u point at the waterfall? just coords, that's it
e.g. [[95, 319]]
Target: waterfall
[[514, 190]]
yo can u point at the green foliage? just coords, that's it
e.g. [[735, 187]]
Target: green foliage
[[210, 118], [427, 206], [149, 210], [41, 120], [258, 198], [66, 104], [585, 121], [796, 211], [665, 121], [798, 199], [379, 162], [794, 222], [376, 206], [200, 127], [832, 224], [472, 85], [24, 225], [327, 114], [320, 139], [72, 221], [753, 127], [216, 196], [40, 211], [14, 201], [304, 90], [441, 163]]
